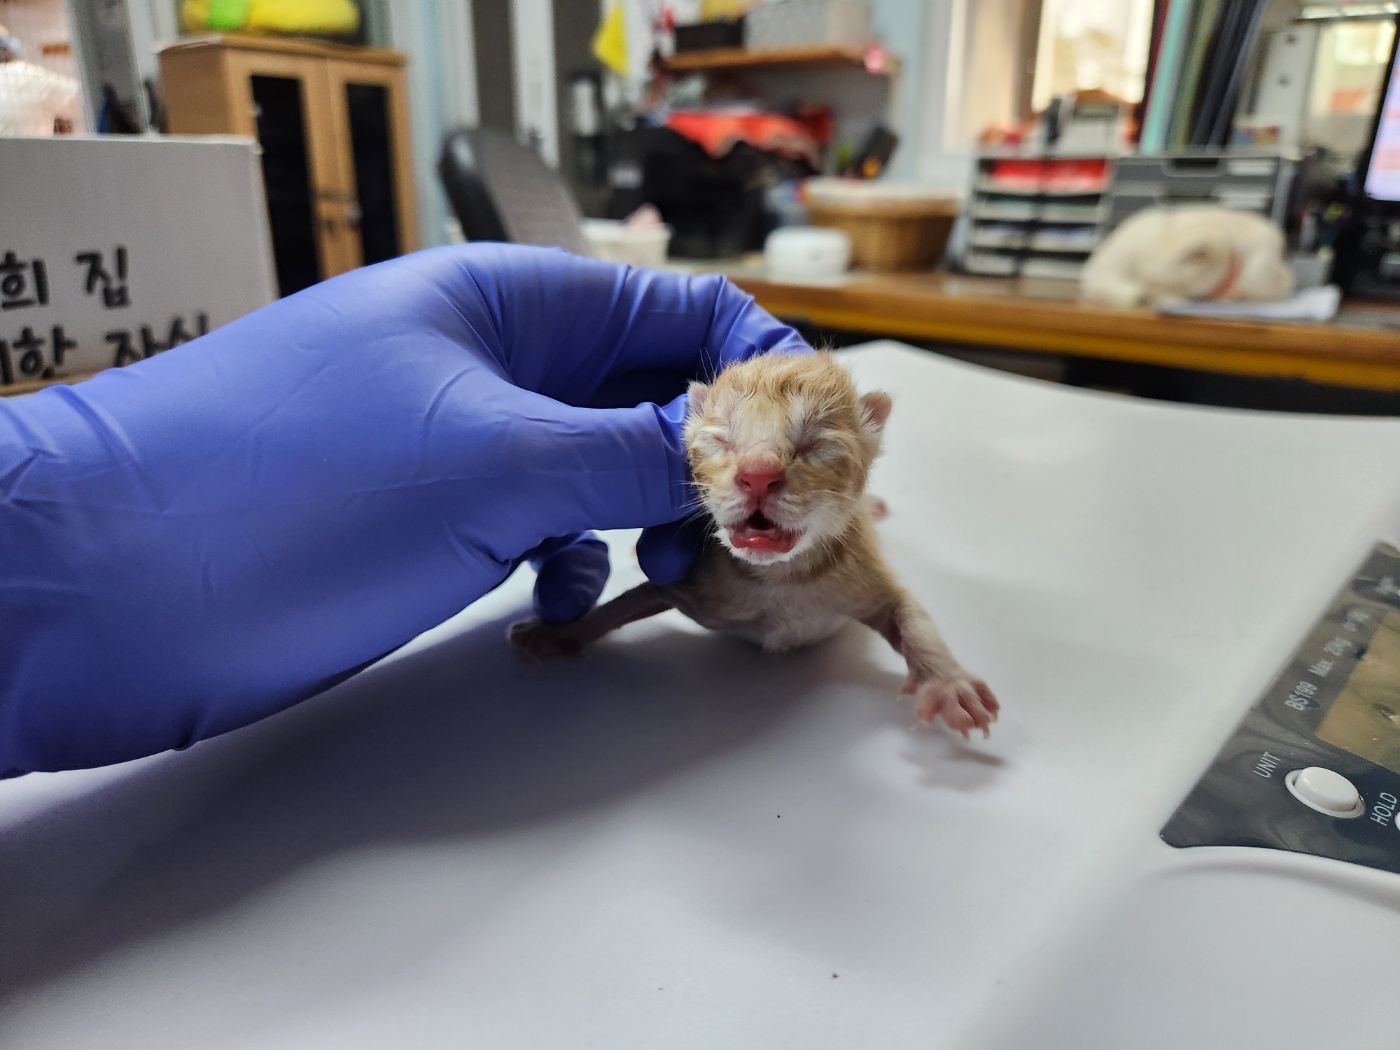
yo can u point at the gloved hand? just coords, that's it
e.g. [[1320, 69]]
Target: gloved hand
[[204, 538]]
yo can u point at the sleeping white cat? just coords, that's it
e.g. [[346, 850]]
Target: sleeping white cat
[[1170, 254]]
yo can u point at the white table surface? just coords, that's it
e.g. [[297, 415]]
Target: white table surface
[[680, 842]]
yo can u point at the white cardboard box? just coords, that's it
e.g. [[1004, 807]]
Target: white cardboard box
[[115, 248]]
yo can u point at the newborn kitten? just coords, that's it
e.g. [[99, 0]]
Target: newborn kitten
[[780, 448], [1165, 254]]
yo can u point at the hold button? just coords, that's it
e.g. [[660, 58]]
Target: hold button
[[1325, 791]]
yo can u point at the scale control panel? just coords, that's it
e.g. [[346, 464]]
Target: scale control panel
[[1315, 765]]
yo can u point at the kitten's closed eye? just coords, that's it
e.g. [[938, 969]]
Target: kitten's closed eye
[[712, 440], [824, 446]]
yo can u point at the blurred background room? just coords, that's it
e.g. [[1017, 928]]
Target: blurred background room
[[936, 170]]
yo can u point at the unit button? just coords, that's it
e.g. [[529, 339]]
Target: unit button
[[1325, 791]]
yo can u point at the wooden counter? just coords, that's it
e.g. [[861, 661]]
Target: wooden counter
[[1360, 348]]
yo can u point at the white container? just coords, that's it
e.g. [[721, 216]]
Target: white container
[[616, 241], [807, 251], [805, 23]]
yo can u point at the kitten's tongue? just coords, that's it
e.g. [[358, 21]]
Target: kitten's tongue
[[757, 533]]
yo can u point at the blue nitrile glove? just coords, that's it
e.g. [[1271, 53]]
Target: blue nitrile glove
[[570, 572], [207, 537]]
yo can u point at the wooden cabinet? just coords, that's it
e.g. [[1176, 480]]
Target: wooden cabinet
[[332, 122]]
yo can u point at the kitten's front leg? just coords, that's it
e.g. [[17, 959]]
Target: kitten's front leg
[[537, 640], [937, 682]]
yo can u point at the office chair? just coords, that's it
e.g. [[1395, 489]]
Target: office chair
[[501, 191]]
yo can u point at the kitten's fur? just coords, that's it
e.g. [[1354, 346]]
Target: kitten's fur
[[791, 567], [1171, 254]]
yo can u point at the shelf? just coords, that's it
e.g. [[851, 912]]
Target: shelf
[[1052, 268], [747, 58], [288, 45], [1016, 211], [1059, 249], [1072, 214], [1004, 189], [992, 156], [990, 264], [1044, 215], [984, 243]]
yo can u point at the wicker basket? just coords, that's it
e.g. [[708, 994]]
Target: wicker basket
[[891, 228]]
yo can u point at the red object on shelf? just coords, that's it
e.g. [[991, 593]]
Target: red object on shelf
[[1018, 174], [819, 121], [1079, 176], [717, 133], [1052, 175]]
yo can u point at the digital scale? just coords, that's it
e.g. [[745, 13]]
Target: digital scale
[[1315, 765]]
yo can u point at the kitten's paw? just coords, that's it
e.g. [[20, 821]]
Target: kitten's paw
[[964, 702], [536, 640]]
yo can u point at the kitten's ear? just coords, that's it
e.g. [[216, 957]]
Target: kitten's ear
[[875, 409], [698, 392]]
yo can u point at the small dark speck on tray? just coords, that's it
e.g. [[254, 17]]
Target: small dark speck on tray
[[834, 976]]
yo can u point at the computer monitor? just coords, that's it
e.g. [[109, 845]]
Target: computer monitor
[[1380, 169]]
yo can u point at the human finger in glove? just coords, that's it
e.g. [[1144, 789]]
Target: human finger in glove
[[205, 538]]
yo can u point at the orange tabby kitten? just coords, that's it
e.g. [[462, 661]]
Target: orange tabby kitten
[[780, 448]]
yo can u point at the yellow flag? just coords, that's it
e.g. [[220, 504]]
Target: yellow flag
[[610, 41]]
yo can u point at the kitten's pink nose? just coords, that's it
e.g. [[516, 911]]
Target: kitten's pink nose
[[759, 483]]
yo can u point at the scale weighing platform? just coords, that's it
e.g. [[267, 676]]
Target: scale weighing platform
[[680, 843]]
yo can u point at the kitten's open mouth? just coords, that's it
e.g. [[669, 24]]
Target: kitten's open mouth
[[758, 533]]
